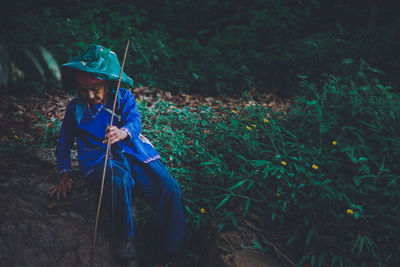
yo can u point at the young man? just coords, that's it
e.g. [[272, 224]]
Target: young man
[[133, 163]]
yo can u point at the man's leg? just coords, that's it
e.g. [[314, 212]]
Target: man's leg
[[117, 199], [163, 194]]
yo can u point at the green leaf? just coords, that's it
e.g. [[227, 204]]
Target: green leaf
[[223, 202], [361, 245], [301, 262], [290, 240], [334, 260], [51, 63], [241, 157], [313, 260], [208, 163], [237, 185], [356, 214], [302, 76], [246, 209], [362, 159], [189, 210], [309, 236], [321, 260], [323, 128]]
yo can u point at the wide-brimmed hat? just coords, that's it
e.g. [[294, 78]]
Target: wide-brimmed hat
[[101, 62]]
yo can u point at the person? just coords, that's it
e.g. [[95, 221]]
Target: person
[[134, 164]]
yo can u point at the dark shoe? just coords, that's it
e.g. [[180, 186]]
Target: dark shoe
[[126, 251]]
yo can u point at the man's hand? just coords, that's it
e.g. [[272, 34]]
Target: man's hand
[[115, 134], [64, 184]]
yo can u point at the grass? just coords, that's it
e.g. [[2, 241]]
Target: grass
[[324, 175]]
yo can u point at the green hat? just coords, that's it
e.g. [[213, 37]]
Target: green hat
[[101, 62]]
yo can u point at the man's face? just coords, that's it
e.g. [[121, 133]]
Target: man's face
[[93, 93]]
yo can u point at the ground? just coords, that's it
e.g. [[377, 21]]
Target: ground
[[36, 230]]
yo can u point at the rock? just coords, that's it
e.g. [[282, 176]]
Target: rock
[[235, 248], [251, 259], [36, 232]]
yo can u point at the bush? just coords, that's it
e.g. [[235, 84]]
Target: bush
[[211, 47], [324, 175]]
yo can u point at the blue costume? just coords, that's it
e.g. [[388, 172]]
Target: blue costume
[[134, 164]]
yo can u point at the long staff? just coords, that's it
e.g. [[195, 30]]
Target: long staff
[[106, 158]]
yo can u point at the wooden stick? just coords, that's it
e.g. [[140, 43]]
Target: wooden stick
[[106, 157]]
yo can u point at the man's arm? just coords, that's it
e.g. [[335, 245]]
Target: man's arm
[[63, 152], [131, 123], [130, 116]]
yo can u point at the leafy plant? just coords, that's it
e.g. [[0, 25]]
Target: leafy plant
[[324, 175]]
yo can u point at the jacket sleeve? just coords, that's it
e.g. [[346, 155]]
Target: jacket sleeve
[[66, 139], [131, 121]]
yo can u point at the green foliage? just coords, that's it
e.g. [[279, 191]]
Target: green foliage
[[214, 47], [28, 69], [51, 130], [325, 174]]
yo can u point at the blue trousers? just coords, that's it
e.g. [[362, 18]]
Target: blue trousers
[[156, 186]]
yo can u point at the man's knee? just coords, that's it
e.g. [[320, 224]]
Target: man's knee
[[172, 188]]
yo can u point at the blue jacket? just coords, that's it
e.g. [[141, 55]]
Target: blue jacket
[[87, 125]]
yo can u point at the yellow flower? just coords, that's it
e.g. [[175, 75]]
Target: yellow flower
[[248, 128], [16, 137], [202, 210], [265, 120], [350, 211], [315, 167], [234, 111], [283, 163], [253, 125], [278, 195], [334, 143]]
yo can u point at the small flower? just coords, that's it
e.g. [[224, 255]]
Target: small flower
[[202, 210], [248, 128], [234, 111], [283, 163], [266, 120], [350, 211], [278, 195], [253, 125], [315, 167], [334, 143], [16, 137]]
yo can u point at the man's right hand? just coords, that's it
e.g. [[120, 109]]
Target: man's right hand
[[62, 187]]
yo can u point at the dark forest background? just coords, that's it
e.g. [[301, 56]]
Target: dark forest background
[[211, 47]]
